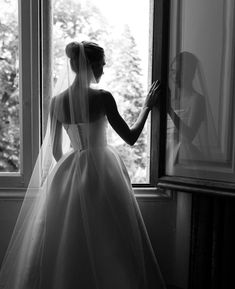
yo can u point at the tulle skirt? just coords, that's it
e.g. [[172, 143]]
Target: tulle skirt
[[84, 231]]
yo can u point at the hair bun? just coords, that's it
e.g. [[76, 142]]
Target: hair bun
[[72, 49]]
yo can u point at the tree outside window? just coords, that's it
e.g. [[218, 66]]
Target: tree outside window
[[9, 87], [123, 73]]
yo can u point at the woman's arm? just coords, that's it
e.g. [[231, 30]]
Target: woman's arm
[[57, 142], [56, 134], [196, 117], [130, 135]]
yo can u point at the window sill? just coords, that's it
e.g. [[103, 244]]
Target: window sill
[[146, 193], [151, 193], [13, 194], [192, 185]]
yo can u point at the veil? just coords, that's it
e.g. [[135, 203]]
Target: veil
[[69, 103], [79, 216], [195, 152]]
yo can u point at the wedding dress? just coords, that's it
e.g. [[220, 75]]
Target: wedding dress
[[83, 229]]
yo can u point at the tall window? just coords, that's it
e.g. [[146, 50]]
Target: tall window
[[200, 97], [200, 131], [19, 91], [28, 28], [9, 87], [125, 38]]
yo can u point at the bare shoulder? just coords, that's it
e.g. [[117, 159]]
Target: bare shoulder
[[100, 93], [58, 101], [107, 97], [97, 103], [60, 97], [101, 97]]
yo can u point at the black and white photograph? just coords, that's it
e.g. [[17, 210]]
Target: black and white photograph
[[117, 144]]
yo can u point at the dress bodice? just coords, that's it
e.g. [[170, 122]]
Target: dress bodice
[[87, 135]]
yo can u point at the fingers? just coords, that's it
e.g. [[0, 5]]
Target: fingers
[[155, 85], [155, 89]]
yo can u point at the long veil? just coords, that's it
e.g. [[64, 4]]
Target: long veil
[[79, 221], [26, 237], [197, 152]]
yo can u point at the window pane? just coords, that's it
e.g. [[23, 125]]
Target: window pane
[[126, 42], [9, 87], [201, 106]]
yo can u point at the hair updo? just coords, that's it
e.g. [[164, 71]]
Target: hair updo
[[188, 63], [94, 53]]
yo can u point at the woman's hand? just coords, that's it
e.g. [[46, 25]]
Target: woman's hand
[[153, 95]]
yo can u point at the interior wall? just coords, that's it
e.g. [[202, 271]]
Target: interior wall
[[213, 238], [159, 217], [167, 222], [169, 226]]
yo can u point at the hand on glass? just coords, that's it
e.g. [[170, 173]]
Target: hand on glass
[[153, 95]]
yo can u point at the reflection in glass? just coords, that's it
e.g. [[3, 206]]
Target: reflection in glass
[[9, 87], [190, 122], [200, 129]]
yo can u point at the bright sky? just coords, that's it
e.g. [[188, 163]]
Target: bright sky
[[135, 13]]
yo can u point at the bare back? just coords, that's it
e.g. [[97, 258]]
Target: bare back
[[95, 101]]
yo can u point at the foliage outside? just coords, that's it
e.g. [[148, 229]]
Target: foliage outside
[[9, 88], [73, 20]]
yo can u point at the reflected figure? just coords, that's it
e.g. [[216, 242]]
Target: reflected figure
[[187, 112]]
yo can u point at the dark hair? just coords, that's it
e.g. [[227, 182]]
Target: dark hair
[[94, 53], [189, 62]]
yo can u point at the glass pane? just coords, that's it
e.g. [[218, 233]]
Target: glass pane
[[126, 43], [200, 105], [9, 87]]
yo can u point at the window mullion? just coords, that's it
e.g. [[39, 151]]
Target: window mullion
[[29, 94], [161, 12]]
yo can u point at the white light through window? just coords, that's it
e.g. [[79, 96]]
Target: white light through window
[[122, 29]]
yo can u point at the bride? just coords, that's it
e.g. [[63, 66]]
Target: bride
[[80, 226]]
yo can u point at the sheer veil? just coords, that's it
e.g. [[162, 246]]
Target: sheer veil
[[192, 148], [79, 222], [69, 104]]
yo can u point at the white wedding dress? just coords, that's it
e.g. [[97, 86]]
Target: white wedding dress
[[87, 232]]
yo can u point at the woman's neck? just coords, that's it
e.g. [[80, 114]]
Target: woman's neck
[[76, 83]]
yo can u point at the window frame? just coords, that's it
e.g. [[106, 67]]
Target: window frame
[[29, 89], [179, 183], [35, 45], [159, 70]]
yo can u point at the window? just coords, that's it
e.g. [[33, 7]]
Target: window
[[126, 42], [9, 77], [35, 23], [19, 73], [199, 129]]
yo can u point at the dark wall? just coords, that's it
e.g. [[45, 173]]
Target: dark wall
[[167, 222], [213, 243]]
